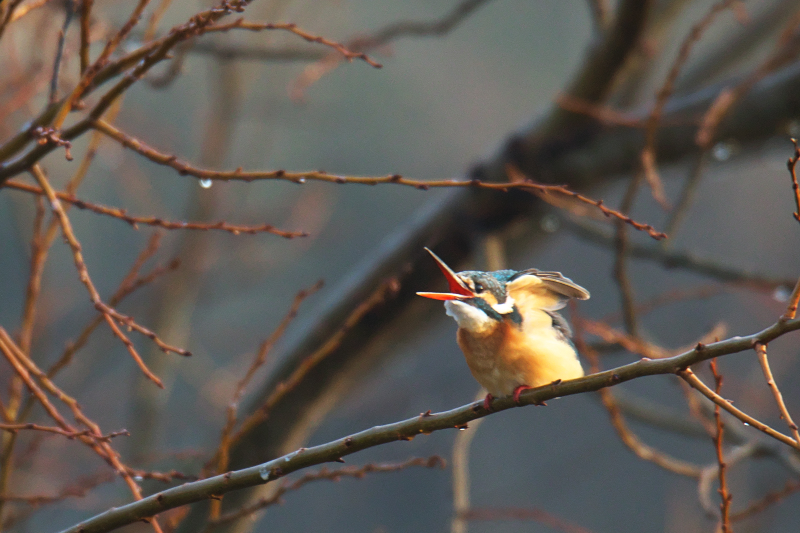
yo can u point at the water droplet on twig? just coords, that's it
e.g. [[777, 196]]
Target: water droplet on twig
[[781, 294], [206, 183]]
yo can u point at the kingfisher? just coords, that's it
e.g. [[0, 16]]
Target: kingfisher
[[509, 329]]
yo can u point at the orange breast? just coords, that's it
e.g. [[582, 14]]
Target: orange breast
[[508, 356]]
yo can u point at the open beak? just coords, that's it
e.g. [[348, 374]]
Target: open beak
[[458, 289]]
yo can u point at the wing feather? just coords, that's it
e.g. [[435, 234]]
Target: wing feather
[[544, 290]]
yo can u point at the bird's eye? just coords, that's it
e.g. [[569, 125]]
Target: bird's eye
[[478, 287]]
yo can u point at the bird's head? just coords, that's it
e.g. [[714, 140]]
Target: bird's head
[[480, 301]]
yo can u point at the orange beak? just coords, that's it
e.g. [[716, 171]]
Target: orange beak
[[458, 289]]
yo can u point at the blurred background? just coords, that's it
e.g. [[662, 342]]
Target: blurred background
[[442, 106]]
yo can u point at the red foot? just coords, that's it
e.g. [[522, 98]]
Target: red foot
[[487, 402], [518, 391]]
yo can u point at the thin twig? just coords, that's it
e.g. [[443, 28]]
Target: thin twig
[[91, 71], [78, 489], [671, 259], [24, 368], [69, 12], [109, 313], [134, 221], [6, 15], [768, 500], [120, 294], [386, 290], [60, 431], [724, 494], [601, 113], [347, 53], [520, 182], [678, 213], [155, 18], [695, 382], [515, 513], [630, 343], [710, 473], [701, 292], [761, 350], [460, 465], [621, 245], [600, 14], [86, 19], [630, 439], [223, 450], [41, 245], [38, 244], [516, 176], [140, 61], [405, 28], [356, 472], [785, 51], [792, 164], [794, 301], [648, 155]]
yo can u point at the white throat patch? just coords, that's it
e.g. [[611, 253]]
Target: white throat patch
[[468, 317], [505, 307]]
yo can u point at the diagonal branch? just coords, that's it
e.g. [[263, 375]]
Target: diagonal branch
[[628, 437], [222, 453], [724, 494], [357, 472], [689, 377], [342, 49], [518, 180], [674, 259], [110, 314], [25, 368], [648, 155], [419, 425], [761, 350], [134, 221]]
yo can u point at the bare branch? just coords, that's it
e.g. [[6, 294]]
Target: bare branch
[[761, 350], [343, 49], [134, 221], [518, 181], [695, 382], [648, 155], [69, 12], [541, 190], [86, 19], [514, 513], [630, 439], [725, 496], [109, 313], [79, 489], [792, 164], [222, 452], [769, 499], [356, 472], [60, 431], [684, 260], [410, 428], [24, 368]]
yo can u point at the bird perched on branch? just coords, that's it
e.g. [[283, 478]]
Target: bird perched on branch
[[508, 328]]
